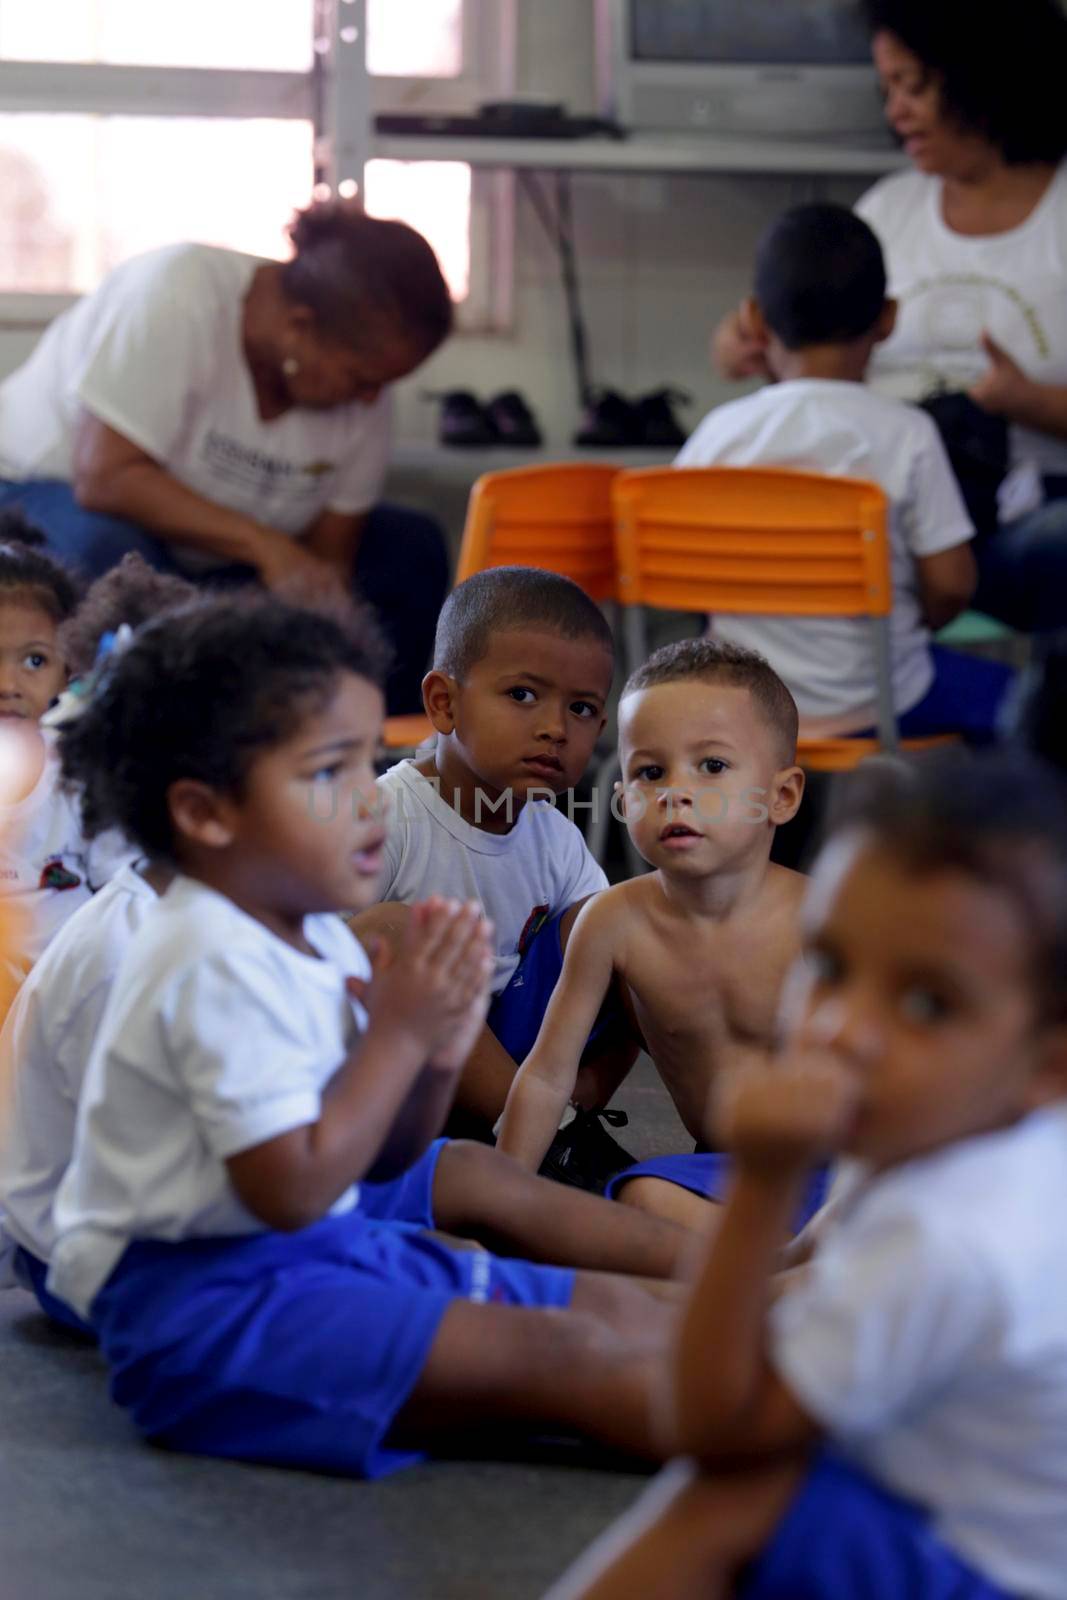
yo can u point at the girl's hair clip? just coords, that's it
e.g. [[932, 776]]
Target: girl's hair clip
[[76, 696]]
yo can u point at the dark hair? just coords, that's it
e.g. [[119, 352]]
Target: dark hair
[[999, 817], [131, 593], [28, 573], [820, 276], [1000, 70], [366, 280], [199, 693], [503, 598], [713, 661]]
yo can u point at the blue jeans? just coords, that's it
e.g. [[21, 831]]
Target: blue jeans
[[1022, 569], [401, 567]]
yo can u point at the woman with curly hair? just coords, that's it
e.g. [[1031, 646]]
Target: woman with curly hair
[[224, 414], [975, 240]]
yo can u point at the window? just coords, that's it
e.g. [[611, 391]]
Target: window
[[122, 128]]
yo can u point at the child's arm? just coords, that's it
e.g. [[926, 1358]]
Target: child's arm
[[778, 1121], [946, 583], [422, 1009], [545, 1081]]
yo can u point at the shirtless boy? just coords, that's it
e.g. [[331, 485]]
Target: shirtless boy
[[701, 945]]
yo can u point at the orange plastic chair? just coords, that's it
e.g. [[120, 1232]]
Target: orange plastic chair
[[757, 540], [556, 516]]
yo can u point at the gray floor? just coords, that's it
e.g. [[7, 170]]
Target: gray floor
[[87, 1512]]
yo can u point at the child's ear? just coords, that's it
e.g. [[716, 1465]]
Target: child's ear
[[786, 793], [439, 700], [887, 321], [200, 814], [753, 322]]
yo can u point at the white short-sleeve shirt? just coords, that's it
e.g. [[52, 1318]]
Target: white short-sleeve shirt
[[845, 430], [928, 1337], [45, 1046], [47, 866], [540, 865], [951, 287], [155, 352], [217, 1036]]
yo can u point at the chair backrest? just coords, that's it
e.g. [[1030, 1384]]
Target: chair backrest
[[558, 517], [752, 539], [757, 540]]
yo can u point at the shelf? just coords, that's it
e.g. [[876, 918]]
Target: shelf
[[667, 154], [410, 455]]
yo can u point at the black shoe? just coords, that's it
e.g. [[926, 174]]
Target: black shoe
[[464, 421], [584, 1155], [660, 428], [513, 420], [609, 422]]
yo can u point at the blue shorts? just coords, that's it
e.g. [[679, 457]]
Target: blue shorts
[[708, 1175], [517, 1012], [32, 1272], [296, 1349], [408, 1198], [844, 1536], [967, 697]]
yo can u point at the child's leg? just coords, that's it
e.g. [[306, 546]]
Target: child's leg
[[686, 1537], [679, 1189], [594, 1370], [775, 1531], [480, 1193], [657, 1197], [305, 1349]]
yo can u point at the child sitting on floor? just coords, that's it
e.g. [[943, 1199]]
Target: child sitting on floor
[[895, 1423], [523, 662], [820, 305], [707, 742], [238, 1093], [458, 1187]]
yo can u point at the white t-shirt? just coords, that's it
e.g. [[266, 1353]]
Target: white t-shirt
[[155, 352], [45, 1046], [540, 865], [47, 866], [928, 1337], [217, 1037], [845, 430], [951, 287]]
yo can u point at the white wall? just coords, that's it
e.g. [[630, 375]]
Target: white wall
[[661, 258]]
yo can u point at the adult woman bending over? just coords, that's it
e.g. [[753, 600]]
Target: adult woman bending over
[[230, 415]]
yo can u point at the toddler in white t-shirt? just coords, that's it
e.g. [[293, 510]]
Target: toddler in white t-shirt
[[523, 663], [820, 309], [891, 1420], [43, 857], [252, 1075]]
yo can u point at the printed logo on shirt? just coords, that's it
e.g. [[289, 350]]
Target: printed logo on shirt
[[532, 927], [256, 471], [54, 875]]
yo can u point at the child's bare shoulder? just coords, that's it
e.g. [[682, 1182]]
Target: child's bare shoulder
[[613, 911], [784, 886]]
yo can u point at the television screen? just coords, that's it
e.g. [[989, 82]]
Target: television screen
[[750, 32]]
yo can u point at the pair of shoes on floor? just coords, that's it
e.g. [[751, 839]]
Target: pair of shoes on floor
[[583, 1153], [611, 421], [506, 420]]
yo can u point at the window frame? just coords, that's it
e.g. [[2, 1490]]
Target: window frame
[[113, 89]]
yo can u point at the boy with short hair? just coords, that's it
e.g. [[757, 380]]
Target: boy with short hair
[[707, 740], [523, 663], [820, 306], [895, 1423]]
